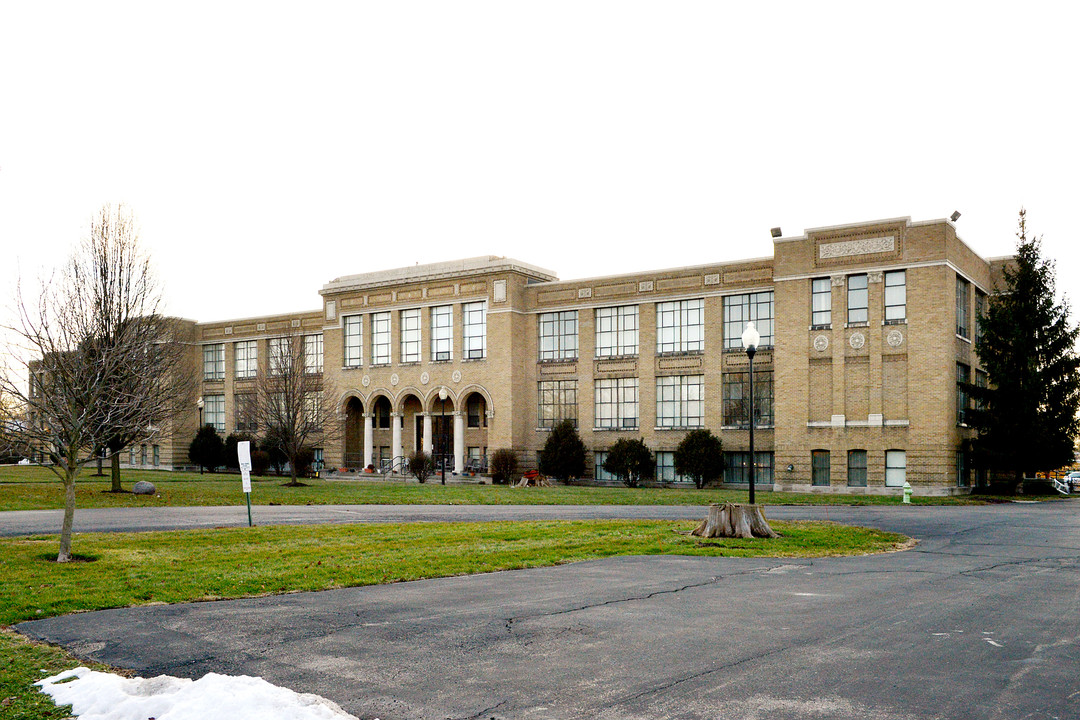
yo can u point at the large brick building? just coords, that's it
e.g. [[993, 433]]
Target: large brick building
[[867, 331]]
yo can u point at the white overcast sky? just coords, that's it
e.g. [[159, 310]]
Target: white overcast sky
[[269, 147]]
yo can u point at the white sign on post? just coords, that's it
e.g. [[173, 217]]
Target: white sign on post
[[243, 452]]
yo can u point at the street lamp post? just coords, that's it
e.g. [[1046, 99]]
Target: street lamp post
[[442, 422], [199, 404], [750, 340]]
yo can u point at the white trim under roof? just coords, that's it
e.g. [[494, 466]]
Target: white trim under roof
[[435, 271]]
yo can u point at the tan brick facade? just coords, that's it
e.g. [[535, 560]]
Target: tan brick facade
[[883, 389]]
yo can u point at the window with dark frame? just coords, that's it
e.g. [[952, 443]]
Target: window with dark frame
[[819, 468], [820, 303], [558, 335], [752, 307], [895, 297], [963, 320], [680, 326], [858, 300], [617, 331], [856, 468], [557, 401]]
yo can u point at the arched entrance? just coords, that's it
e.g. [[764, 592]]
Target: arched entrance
[[354, 434], [476, 432]]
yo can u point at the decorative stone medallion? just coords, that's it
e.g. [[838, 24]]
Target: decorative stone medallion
[[857, 340], [895, 338], [821, 343], [366, 380], [394, 379], [456, 377], [424, 378]]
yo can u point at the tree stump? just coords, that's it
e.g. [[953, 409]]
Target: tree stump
[[735, 520]]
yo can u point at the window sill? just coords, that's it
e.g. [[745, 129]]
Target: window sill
[[962, 338], [633, 356], [556, 361], [901, 321], [857, 324], [679, 353], [352, 367], [616, 429], [747, 427], [473, 360], [760, 348], [679, 427], [824, 326]]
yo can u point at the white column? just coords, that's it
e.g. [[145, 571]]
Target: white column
[[395, 423], [427, 434], [459, 442], [369, 440]]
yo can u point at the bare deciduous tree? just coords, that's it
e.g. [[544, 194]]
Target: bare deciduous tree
[[93, 363], [293, 407]]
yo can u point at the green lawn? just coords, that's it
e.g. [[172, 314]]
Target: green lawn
[[121, 569], [34, 488]]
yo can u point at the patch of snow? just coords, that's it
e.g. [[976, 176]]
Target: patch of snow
[[103, 696]]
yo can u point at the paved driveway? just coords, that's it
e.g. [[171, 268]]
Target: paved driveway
[[979, 621]]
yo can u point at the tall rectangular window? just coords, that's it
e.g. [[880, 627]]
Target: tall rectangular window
[[741, 309], [680, 401], [558, 335], [313, 353], [680, 326], [380, 338], [214, 362], [214, 412], [617, 331], [963, 377], [963, 321], [244, 411], [557, 401], [665, 468], [856, 468], [895, 468], [280, 355], [980, 382], [354, 340], [820, 303], [247, 359], [616, 404], [157, 454], [980, 311], [858, 299], [410, 336], [442, 333], [736, 398], [474, 330], [819, 468], [895, 297], [963, 468]]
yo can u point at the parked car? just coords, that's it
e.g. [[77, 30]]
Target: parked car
[[1073, 479]]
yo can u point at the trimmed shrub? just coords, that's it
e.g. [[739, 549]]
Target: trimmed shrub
[[564, 453], [631, 461], [504, 464]]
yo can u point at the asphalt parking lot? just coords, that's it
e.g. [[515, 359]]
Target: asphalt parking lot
[[980, 620]]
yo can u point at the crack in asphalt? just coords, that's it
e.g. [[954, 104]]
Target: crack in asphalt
[[634, 598], [694, 676], [481, 714]]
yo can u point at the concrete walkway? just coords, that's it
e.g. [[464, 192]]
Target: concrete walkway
[[981, 620]]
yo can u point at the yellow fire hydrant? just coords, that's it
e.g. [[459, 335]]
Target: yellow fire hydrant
[[907, 493]]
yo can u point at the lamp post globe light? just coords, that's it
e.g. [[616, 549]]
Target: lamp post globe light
[[442, 422], [750, 339]]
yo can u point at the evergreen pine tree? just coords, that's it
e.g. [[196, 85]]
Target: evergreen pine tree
[[1027, 417]]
